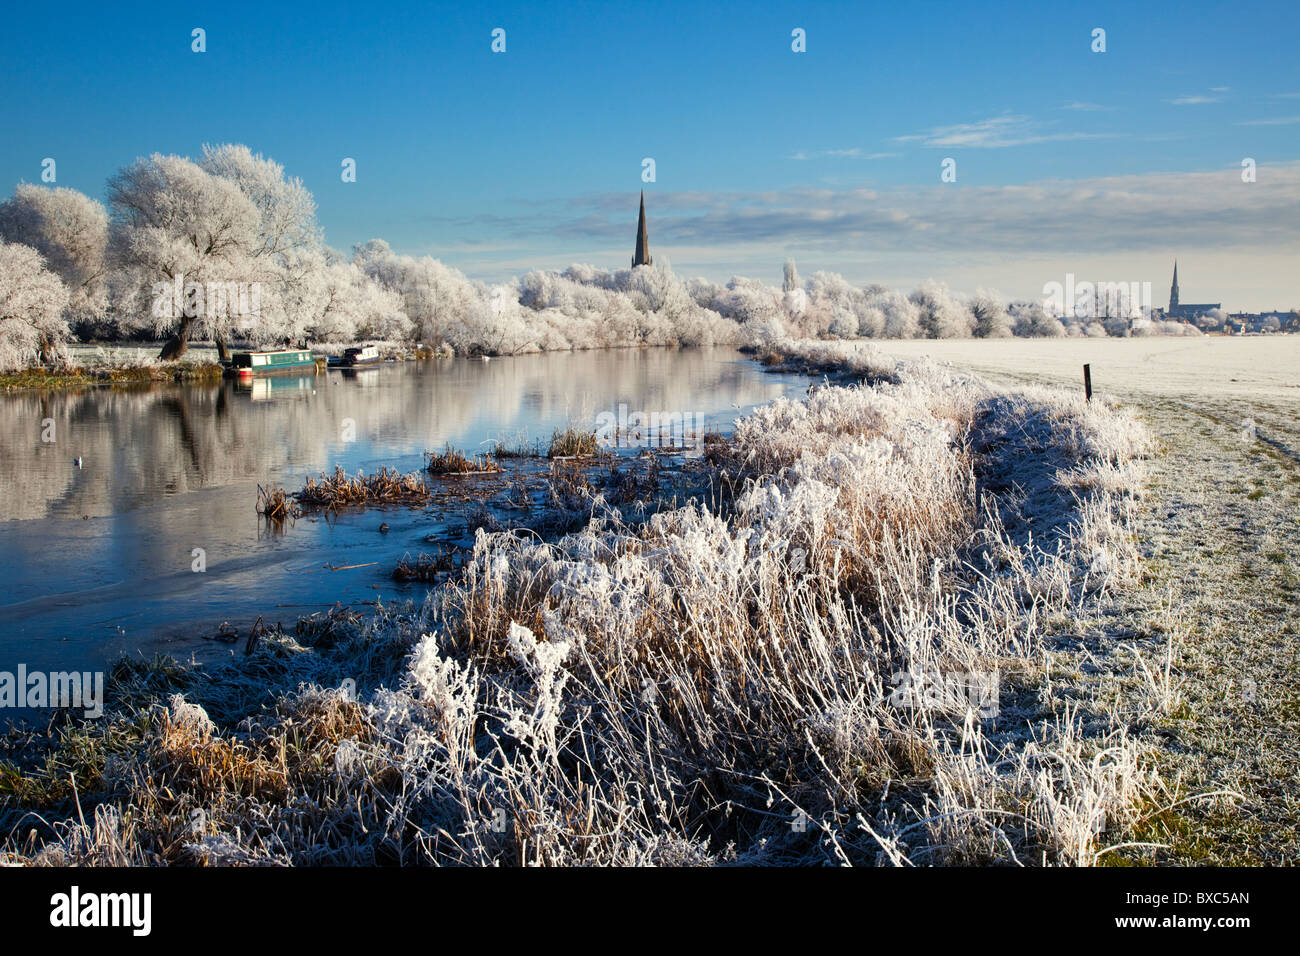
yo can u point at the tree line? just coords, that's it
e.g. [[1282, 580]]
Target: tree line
[[228, 248]]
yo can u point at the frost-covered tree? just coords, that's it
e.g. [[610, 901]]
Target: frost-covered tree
[[791, 277], [941, 315], [317, 296], [32, 304], [1213, 320], [296, 295], [990, 315], [286, 209], [289, 248], [1119, 326], [586, 307], [70, 231], [175, 224], [759, 309], [746, 299], [902, 318], [373, 311], [827, 305], [435, 296], [665, 296], [1030, 319]]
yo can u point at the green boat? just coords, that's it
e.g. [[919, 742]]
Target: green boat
[[248, 364]]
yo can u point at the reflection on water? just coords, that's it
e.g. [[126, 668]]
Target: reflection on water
[[278, 386], [98, 557]]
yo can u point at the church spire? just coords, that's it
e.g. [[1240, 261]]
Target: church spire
[[1173, 290], [642, 256]]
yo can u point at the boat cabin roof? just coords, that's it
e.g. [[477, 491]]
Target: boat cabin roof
[[245, 359]]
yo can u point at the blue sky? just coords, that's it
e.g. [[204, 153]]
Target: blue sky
[[1104, 164]]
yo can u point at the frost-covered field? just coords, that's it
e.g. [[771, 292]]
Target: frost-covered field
[[847, 653], [1260, 366]]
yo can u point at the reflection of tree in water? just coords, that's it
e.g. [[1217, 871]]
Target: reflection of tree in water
[[141, 443]]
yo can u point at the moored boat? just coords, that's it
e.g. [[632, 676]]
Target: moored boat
[[248, 364], [359, 355]]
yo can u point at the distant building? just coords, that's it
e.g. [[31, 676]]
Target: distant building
[[1265, 321], [1178, 310], [642, 256]]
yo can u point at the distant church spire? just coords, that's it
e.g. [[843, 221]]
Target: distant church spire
[[1187, 310], [642, 257]]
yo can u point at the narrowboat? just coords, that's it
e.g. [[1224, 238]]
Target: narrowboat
[[248, 364], [361, 355]]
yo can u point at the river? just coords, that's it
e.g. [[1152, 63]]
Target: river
[[99, 558]]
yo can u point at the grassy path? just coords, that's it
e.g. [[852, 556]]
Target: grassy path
[[1220, 528]]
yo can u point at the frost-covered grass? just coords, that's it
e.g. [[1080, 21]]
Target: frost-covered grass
[[718, 683], [573, 443], [452, 461], [341, 490]]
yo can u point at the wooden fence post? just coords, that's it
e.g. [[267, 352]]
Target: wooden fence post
[[1087, 383]]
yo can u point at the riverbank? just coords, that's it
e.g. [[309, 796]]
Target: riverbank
[[840, 655], [1218, 607], [137, 364], [83, 377]]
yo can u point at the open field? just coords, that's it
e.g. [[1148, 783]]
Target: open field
[[1250, 367]]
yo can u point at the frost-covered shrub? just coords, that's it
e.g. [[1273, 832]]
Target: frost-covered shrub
[[1142, 327], [1031, 320], [990, 315], [32, 306], [940, 314]]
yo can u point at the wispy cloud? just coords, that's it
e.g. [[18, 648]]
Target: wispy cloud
[[841, 154], [1095, 215], [1080, 107], [998, 132], [1196, 100], [1271, 121]]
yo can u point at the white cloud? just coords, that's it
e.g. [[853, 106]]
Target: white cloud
[[997, 132], [854, 153], [1273, 121], [1110, 213], [1196, 100]]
